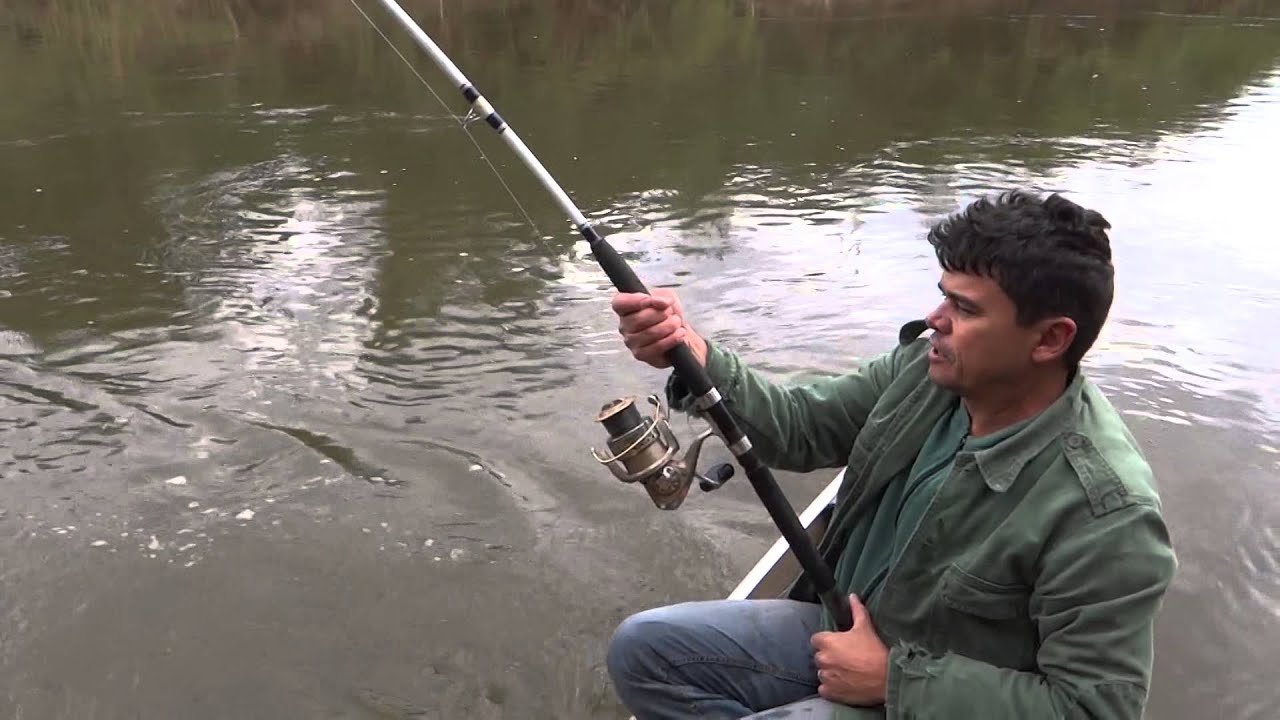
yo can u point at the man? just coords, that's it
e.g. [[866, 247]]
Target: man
[[998, 530]]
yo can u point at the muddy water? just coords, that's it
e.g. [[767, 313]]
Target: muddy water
[[296, 401]]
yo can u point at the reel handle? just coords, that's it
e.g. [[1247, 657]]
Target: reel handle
[[715, 477]]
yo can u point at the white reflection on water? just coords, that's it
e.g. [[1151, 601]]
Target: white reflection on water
[[1198, 277], [287, 268]]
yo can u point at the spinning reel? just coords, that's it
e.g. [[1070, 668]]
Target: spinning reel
[[644, 450]]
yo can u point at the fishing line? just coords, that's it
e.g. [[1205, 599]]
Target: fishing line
[[641, 449], [462, 121]]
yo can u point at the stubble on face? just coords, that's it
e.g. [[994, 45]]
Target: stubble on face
[[976, 340]]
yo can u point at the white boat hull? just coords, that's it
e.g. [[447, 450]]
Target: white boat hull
[[778, 567]]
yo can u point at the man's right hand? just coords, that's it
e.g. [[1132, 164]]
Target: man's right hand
[[651, 325]]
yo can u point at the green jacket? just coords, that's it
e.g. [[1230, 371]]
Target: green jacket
[[1031, 585]]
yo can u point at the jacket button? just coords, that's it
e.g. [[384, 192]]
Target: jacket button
[[1075, 442]]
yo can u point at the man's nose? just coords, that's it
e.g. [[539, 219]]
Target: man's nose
[[938, 320]]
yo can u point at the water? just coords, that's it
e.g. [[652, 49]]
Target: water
[[247, 263]]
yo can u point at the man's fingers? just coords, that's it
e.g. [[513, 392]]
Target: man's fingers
[[642, 320], [654, 352], [820, 640], [628, 303], [636, 339], [650, 324], [861, 618]]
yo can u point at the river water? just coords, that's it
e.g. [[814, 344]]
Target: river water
[[297, 403]]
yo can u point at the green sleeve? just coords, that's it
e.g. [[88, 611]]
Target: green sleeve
[[1095, 604], [798, 428]]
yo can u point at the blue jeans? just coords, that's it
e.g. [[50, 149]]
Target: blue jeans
[[718, 659]]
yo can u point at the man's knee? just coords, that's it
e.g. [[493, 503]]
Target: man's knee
[[633, 647]]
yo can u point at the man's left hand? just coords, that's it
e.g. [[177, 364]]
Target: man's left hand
[[853, 666]]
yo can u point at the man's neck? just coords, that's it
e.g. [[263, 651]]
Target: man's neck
[[1000, 407]]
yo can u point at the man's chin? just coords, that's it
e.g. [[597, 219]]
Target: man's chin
[[943, 379]]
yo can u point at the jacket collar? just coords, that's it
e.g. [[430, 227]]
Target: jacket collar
[[1001, 464]]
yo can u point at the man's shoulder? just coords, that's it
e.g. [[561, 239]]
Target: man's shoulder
[[1106, 458], [1117, 509]]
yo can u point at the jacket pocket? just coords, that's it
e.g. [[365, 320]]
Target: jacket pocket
[[986, 621], [973, 595]]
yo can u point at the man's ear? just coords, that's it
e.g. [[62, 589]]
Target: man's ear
[[1055, 337]]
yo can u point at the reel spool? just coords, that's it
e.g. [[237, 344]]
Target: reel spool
[[644, 450]]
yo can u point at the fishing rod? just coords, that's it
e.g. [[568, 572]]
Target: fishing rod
[[644, 449]]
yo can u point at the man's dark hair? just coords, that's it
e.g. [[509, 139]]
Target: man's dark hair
[[1050, 256]]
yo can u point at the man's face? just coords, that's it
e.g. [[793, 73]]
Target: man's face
[[977, 342]]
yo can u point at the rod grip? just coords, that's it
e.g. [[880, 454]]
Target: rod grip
[[838, 605], [618, 270]]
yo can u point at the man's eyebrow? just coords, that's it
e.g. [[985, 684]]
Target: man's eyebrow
[[959, 298]]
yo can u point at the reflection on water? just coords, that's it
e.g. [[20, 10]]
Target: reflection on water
[[283, 259], [277, 345], [1192, 317]]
